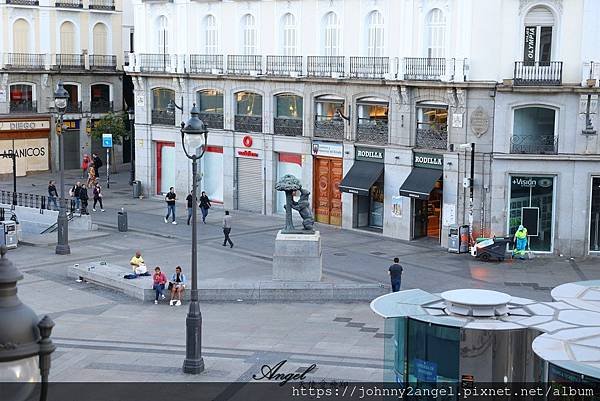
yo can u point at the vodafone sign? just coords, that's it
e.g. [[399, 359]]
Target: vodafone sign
[[247, 141]]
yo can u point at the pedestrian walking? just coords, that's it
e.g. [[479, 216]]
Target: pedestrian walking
[[97, 164], [52, 194], [204, 206], [98, 197], [159, 280], [85, 163], [227, 229], [91, 175], [190, 206], [395, 272], [83, 196], [170, 198], [74, 193], [177, 287]]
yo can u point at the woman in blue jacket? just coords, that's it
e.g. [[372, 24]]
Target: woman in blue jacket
[[177, 287]]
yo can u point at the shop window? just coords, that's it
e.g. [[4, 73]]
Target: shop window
[[432, 126], [248, 116], [534, 131], [212, 173], [100, 99], [328, 123], [287, 163], [538, 192], [210, 104], [21, 99], [595, 216], [288, 117], [372, 121], [73, 103], [160, 100]]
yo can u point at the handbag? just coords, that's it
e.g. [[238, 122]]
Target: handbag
[[170, 286]]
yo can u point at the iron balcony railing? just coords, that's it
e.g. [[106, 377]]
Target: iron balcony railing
[[163, 117], [206, 63], [69, 3], [22, 199], [371, 130], [327, 127], [287, 126], [538, 73], [102, 5], [369, 67], [101, 106], [325, 66], [23, 2], [103, 62], [534, 144], [244, 65], [248, 123], [69, 61], [73, 107], [212, 120], [432, 138], [29, 61], [155, 62], [424, 69], [26, 106], [284, 65]]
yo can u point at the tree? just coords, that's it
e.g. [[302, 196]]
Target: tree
[[114, 124]]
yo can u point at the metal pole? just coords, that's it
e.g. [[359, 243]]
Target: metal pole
[[62, 248], [471, 186], [193, 363], [107, 167], [14, 166], [132, 152]]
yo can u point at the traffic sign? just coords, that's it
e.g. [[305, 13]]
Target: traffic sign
[[107, 141]]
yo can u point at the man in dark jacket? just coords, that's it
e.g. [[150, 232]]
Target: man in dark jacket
[[204, 206], [75, 191], [97, 164], [52, 195], [83, 196], [395, 272]]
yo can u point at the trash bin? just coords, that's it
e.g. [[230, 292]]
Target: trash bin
[[453, 240], [8, 234], [137, 189], [122, 220]]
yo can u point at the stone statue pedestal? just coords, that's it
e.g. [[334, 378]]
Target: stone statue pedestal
[[298, 257]]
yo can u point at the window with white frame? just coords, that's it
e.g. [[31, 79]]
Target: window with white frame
[[537, 41], [435, 34], [249, 35], [288, 23], [331, 34], [211, 35], [21, 36], [375, 33], [163, 35], [67, 38], [100, 39]]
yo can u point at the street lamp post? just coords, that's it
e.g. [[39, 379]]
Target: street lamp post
[[24, 338], [131, 114], [471, 183], [60, 101], [193, 363]]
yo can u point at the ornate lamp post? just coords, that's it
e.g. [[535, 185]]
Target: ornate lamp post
[[131, 115], [61, 97], [25, 344], [193, 362]]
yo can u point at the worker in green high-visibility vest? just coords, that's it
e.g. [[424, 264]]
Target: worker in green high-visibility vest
[[520, 242]]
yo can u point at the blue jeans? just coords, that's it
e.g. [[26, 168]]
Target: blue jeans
[[77, 203], [170, 209], [160, 290], [396, 285], [204, 211], [53, 200]]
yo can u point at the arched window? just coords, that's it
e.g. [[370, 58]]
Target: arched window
[[210, 104], [288, 115], [288, 23], [249, 35], [331, 34], [435, 34], [211, 35], [375, 31], [100, 36], [21, 36], [67, 38], [539, 24], [534, 131], [163, 35]]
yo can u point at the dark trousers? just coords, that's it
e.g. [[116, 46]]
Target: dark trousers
[[98, 200], [226, 232], [396, 285], [84, 205], [204, 211]]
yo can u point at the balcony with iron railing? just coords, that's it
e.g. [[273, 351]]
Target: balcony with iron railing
[[206, 64], [372, 130], [25, 61], [369, 67], [430, 137], [73, 107], [287, 126], [69, 3], [538, 73], [284, 65], [154, 62], [534, 144], [326, 66], [329, 127], [212, 120], [70, 61], [23, 2], [244, 65], [101, 106], [105, 5], [424, 69], [248, 123], [163, 117], [23, 106], [103, 62]]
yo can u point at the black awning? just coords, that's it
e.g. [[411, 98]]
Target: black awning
[[361, 177], [420, 182]]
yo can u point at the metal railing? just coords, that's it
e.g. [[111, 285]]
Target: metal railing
[[244, 65], [248, 123], [29, 61], [69, 3], [287, 126], [284, 65], [23, 2], [325, 66], [424, 69], [329, 128], [372, 131], [538, 73], [163, 117], [212, 120], [73, 107], [155, 62], [27, 106], [103, 62], [428, 138], [369, 67], [101, 106], [206, 63], [70, 61], [534, 144], [102, 5], [24, 200]]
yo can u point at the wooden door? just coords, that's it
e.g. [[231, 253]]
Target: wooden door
[[327, 197], [337, 173]]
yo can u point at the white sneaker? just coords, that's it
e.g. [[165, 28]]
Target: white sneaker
[[94, 210], [162, 297], [174, 222], [103, 210], [155, 302], [178, 303], [171, 302], [166, 221]]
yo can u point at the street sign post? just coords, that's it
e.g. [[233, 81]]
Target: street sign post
[[107, 142]]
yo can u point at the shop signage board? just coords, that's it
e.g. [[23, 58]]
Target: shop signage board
[[24, 125], [327, 149], [428, 160], [425, 370], [369, 154], [249, 153], [71, 124], [32, 155]]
